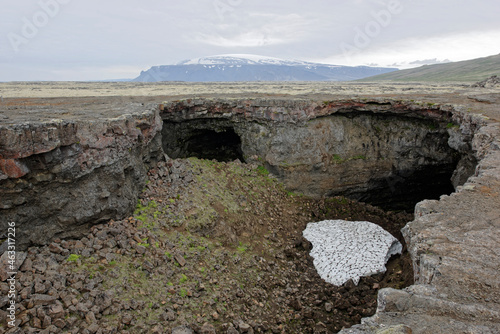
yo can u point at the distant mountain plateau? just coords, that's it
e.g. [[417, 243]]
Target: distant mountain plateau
[[227, 68]]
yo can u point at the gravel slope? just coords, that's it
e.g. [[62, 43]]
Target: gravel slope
[[214, 247]]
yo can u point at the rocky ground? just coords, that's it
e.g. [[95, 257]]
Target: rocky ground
[[127, 276], [82, 100], [212, 247]]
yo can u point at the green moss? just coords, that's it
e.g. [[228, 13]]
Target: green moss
[[73, 258], [214, 200], [262, 171], [183, 279], [147, 214], [242, 248], [337, 159]]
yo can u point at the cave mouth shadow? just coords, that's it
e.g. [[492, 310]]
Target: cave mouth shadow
[[396, 188], [403, 189], [223, 145]]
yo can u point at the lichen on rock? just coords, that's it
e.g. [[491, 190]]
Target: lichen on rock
[[344, 250]]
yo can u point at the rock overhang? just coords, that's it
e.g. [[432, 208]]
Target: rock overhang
[[295, 110], [401, 142]]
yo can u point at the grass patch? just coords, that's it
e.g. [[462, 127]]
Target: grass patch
[[73, 258], [262, 171], [337, 159], [147, 214], [242, 248]]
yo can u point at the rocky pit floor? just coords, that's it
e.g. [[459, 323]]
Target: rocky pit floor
[[212, 247]]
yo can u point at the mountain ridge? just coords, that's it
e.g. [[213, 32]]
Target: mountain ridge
[[463, 71], [243, 67]]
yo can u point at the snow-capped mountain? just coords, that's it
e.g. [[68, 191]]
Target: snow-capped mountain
[[241, 59], [242, 67]]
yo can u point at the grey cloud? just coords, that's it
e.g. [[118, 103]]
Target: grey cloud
[[108, 34]]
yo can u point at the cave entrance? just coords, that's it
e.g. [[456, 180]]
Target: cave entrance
[[391, 161], [403, 189], [222, 143], [210, 144]]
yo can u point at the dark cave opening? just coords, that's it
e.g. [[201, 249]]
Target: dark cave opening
[[222, 144], [403, 189], [425, 171]]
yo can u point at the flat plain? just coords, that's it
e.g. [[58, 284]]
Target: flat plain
[[101, 89], [77, 98]]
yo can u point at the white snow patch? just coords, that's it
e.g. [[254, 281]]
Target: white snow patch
[[344, 250], [243, 59]]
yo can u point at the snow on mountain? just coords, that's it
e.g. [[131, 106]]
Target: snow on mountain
[[244, 67], [242, 59]]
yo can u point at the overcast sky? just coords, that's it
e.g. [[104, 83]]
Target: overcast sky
[[106, 39]]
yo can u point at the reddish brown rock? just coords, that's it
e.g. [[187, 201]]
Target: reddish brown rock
[[12, 168]]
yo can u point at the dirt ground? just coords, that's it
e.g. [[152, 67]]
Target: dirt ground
[[80, 99]]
